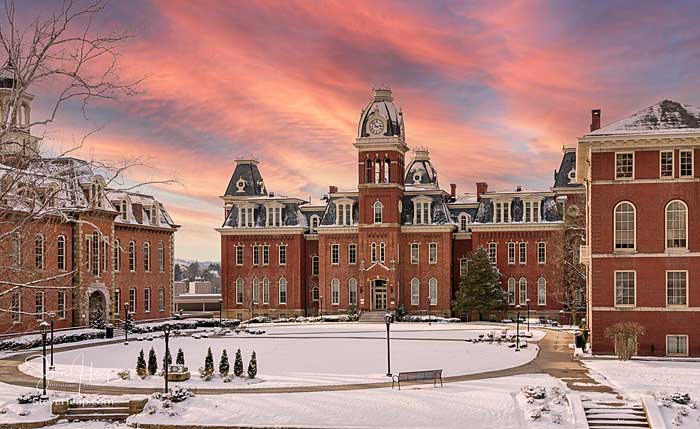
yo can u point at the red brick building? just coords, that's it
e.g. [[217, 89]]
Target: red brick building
[[397, 239], [643, 192], [72, 246]]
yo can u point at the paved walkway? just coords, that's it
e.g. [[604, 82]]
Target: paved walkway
[[554, 358]]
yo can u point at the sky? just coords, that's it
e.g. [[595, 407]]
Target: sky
[[493, 89]]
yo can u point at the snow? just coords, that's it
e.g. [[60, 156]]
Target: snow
[[303, 355], [495, 403], [664, 117]]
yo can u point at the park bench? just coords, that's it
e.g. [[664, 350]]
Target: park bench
[[412, 376]]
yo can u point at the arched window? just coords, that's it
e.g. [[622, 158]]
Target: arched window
[[352, 291], [676, 225], [382, 252], [541, 291], [387, 165], [266, 291], [373, 252], [239, 291], [625, 226], [117, 256], [463, 222], [314, 224], [132, 256], [161, 257], [511, 291], [523, 291], [39, 251], [256, 290], [61, 252], [283, 291], [335, 292], [147, 256], [415, 292], [433, 291], [377, 171], [378, 212], [314, 294], [368, 171]]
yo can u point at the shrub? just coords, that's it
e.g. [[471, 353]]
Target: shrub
[[252, 366], [124, 374], [180, 359], [29, 398], [223, 364], [625, 336], [209, 362], [141, 365], [152, 362], [238, 364], [167, 359], [178, 394]]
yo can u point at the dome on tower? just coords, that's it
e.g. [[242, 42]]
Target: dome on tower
[[421, 172], [381, 118]]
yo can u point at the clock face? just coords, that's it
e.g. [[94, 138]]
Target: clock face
[[376, 126]]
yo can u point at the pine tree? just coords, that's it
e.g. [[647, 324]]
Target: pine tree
[[167, 359], [180, 359], [209, 362], [152, 362], [223, 364], [141, 364], [238, 365], [253, 366], [480, 289]]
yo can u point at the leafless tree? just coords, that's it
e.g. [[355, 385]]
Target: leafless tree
[[571, 293]]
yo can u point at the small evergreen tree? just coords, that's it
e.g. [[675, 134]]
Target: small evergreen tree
[[141, 364], [152, 362], [224, 364], [480, 289], [238, 365], [253, 366], [180, 359], [167, 359], [209, 362]]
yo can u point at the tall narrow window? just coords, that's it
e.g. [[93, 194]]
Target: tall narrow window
[[373, 252], [352, 291], [117, 256], [39, 305], [541, 291], [132, 256], [282, 256], [624, 165], [315, 294], [541, 252], [523, 290], [463, 222], [511, 291], [147, 257], [493, 252], [433, 291], [314, 266], [16, 246], [415, 291], [335, 292], [256, 254], [314, 224], [382, 252], [117, 301], [39, 251], [625, 282], [511, 253], [432, 253], [368, 171], [387, 168], [686, 163], [414, 253], [161, 299], [676, 287], [266, 254], [352, 253], [239, 254], [377, 212], [625, 226], [61, 253], [147, 300], [266, 291], [161, 257], [422, 212], [676, 225], [522, 253], [16, 307], [377, 171], [666, 163], [132, 300], [96, 253], [283, 291], [335, 254], [239, 291], [256, 287], [61, 305], [105, 252], [463, 267]]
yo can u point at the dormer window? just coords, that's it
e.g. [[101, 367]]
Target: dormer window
[[502, 212], [240, 185], [464, 220], [417, 176], [153, 215], [274, 215], [532, 211], [343, 212], [422, 210], [246, 216], [314, 224], [123, 207]]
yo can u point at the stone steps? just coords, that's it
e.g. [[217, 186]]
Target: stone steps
[[108, 411], [615, 415], [372, 316]]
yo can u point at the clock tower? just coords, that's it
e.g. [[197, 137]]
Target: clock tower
[[381, 146]]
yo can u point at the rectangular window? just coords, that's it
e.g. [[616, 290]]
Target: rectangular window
[[624, 165], [463, 267], [511, 291], [335, 292], [511, 253], [335, 254], [132, 300], [666, 164], [414, 253], [541, 291], [625, 282], [239, 291], [161, 299], [686, 163], [256, 254], [283, 254], [96, 254], [61, 305], [352, 254], [493, 252], [314, 265], [147, 300], [522, 254], [676, 345], [541, 253], [117, 302], [523, 291], [676, 287], [117, 257], [502, 212], [39, 305], [415, 292], [256, 291], [88, 253], [61, 255], [283, 291], [352, 286], [266, 291], [266, 254], [433, 291], [239, 255], [16, 307], [432, 253], [161, 257]]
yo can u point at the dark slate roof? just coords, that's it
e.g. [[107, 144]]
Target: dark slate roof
[[664, 117], [548, 210], [329, 216], [565, 177], [440, 214], [248, 171], [382, 103], [456, 211], [424, 168], [291, 215]]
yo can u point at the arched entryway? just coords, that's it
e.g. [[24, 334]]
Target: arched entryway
[[97, 310], [378, 295]]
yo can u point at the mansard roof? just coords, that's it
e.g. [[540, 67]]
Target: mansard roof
[[549, 212], [382, 104], [565, 177], [292, 215], [664, 117], [420, 172], [246, 180], [330, 214], [440, 214]]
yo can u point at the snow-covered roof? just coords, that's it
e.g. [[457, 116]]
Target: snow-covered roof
[[382, 105], [664, 117]]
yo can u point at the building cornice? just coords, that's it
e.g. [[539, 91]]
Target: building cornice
[[646, 255], [427, 228], [574, 190], [262, 231], [330, 229], [516, 226], [462, 235], [646, 181], [654, 309], [643, 141]]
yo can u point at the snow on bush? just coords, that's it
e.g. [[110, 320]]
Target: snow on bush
[[124, 374], [61, 337], [29, 398], [178, 394], [543, 405]]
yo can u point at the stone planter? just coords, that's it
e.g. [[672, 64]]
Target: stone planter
[[178, 373]]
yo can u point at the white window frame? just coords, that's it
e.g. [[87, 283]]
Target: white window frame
[[335, 254], [282, 255], [239, 291], [39, 252], [343, 209], [503, 212], [512, 290], [687, 345], [422, 207], [161, 299], [617, 175], [522, 253], [335, 292], [666, 227], [147, 257], [634, 288], [634, 229], [541, 291], [541, 252], [282, 291], [432, 253], [266, 291], [415, 257], [378, 212], [315, 294], [433, 291], [314, 222], [415, 292], [352, 291], [352, 253], [132, 256], [464, 221], [692, 163], [511, 253], [373, 252], [132, 300], [522, 282], [265, 255], [40, 305], [661, 164], [246, 215], [687, 288], [256, 254], [61, 253], [161, 257], [382, 252], [240, 259], [147, 300], [492, 251], [315, 265], [61, 306]]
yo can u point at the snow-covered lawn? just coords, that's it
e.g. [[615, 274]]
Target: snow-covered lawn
[[494, 403], [659, 378]]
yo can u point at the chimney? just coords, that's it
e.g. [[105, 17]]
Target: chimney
[[332, 189], [518, 188], [453, 190], [595, 119], [481, 188]]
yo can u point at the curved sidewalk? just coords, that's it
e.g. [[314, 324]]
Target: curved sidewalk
[[554, 358]]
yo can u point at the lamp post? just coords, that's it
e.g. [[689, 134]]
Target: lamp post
[[527, 301], [126, 323], [517, 328], [429, 318], [221, 305], [43, 326], [166, 331], [388, 318], [52, 315]]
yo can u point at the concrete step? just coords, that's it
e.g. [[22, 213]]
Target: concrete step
[[91, 417], [101, 410], [372, 316]]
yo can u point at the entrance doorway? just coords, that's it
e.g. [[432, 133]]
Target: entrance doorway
[[379, 295], [96, 307]]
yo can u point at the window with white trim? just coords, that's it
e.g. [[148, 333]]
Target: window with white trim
[[61, 252], [666, 164], [511, 253], [378, 212], [463, 267], [283, 291], [266, 254], [239, 254], [282, 254], [256, 290], [542, 252], [382, 252], [344, 213], [624, 165], [493, 252], [132, 256], [147, 300], [335, 292], [117, 256], [161, 299], [335, 254], [676, 345], [676, 225], [422, 211], [39, 251], [266, 291], [315, 222], [464, 220], [246, 216], [315, 294], [432, 253], [161, 257], [676, 288], [414, 253], [511, 291], [522, 253], [61, 304], [625, 288], [373, 252], [502, 211], [433, 290], [39, 305], [314, 266], [686, 163], [415, 291], [625, 226], [132, 300], [522, 298], [274, 216], [532, 211], [541, 291], [117, 301], [147, 257], [239, 291], [352, 291], [352, 253], [256, 254]]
